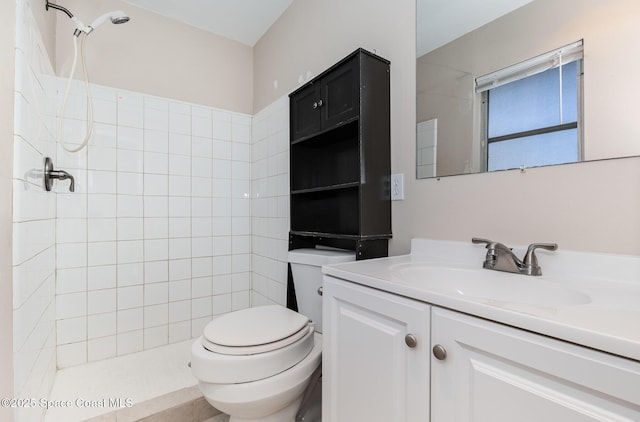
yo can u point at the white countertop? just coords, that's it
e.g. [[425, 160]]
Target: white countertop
[[584, 298]]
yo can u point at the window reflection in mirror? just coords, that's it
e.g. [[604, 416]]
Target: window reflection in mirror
[[450, 109], [531, 111]]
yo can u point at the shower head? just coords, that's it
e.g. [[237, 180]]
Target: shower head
[[117, 17]]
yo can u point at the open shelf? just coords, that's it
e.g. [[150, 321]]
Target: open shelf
[[328, 159], [326, 211]]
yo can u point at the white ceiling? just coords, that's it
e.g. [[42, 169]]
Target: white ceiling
[[438, 21], [241, 20]]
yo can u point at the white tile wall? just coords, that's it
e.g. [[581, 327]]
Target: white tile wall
[[34, 224], [161, 196], [426, 152], [270, 206]]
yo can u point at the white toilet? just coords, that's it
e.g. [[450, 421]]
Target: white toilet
[[255, 364]]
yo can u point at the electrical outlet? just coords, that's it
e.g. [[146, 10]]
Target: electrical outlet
[[397, 187]]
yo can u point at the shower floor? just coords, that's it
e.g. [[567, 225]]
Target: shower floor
[[131, 378]]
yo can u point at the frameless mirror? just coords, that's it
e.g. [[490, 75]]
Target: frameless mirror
[[462, 40]]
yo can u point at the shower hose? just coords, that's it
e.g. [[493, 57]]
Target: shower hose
[[66, 96]]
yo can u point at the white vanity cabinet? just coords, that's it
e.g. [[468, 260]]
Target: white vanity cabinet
[[375, 355], [496, 373], [390, 358]]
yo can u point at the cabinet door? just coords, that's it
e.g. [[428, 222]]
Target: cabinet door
[[341, 94], [369, 372], [495, 373], [305, 112]]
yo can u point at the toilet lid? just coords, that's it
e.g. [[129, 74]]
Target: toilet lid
[[255, 330]]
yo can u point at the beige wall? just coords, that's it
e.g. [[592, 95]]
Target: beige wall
[[46, 21], [313, 35], [7, 69], [588, 206], [159, 56]]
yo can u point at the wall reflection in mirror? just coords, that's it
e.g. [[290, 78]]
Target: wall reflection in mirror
[[506, 91]]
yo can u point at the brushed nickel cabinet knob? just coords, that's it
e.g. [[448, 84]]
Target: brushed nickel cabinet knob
[[411, 340], [439, 352]]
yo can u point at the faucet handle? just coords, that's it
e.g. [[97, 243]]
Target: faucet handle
[[481, 240], [530, 260], [491, 257], [50, 174]]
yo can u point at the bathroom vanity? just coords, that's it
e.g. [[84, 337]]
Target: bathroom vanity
[[433, 336]]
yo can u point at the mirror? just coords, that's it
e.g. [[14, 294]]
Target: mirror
[[460, 40]]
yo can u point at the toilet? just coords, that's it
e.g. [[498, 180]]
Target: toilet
[[255, 364]]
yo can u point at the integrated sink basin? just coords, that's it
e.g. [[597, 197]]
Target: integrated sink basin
[[488, 286], [590, 299]]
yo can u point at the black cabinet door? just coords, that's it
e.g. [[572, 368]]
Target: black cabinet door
[[340, 94], [305, 113]]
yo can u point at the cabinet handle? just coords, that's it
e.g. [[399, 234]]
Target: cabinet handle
[[411, 340], [320, 290], [439, 352], [320, 102], [317, 104]]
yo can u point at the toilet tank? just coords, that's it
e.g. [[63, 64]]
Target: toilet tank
[[306, 269]]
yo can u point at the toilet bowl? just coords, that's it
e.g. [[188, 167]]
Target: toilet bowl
[[273, 399], [255, 364]]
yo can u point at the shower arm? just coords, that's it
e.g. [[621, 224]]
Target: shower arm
[[80, 27], [55, 6]]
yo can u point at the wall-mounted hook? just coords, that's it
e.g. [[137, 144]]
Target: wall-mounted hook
[[50, 174]]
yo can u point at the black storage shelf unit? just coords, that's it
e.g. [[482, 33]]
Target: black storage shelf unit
[[340, 158]]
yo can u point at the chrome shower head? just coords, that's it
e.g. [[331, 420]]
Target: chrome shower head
[[117, 17]]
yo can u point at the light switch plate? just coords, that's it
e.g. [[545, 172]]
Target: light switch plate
[[397, 187]]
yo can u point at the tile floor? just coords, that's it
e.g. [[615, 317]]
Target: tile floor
[[219, 418]]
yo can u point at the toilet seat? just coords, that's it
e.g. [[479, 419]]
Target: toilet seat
[[254, 330], [251, 362]]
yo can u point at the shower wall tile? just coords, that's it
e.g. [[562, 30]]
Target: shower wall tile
[[130, 115], [164, 206], [129, 137], [101, 348], [269, 212], [71, 354], [103, 277], [129, 342], [34, 220]]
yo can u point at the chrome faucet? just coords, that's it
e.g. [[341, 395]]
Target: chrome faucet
[[500, 257]]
